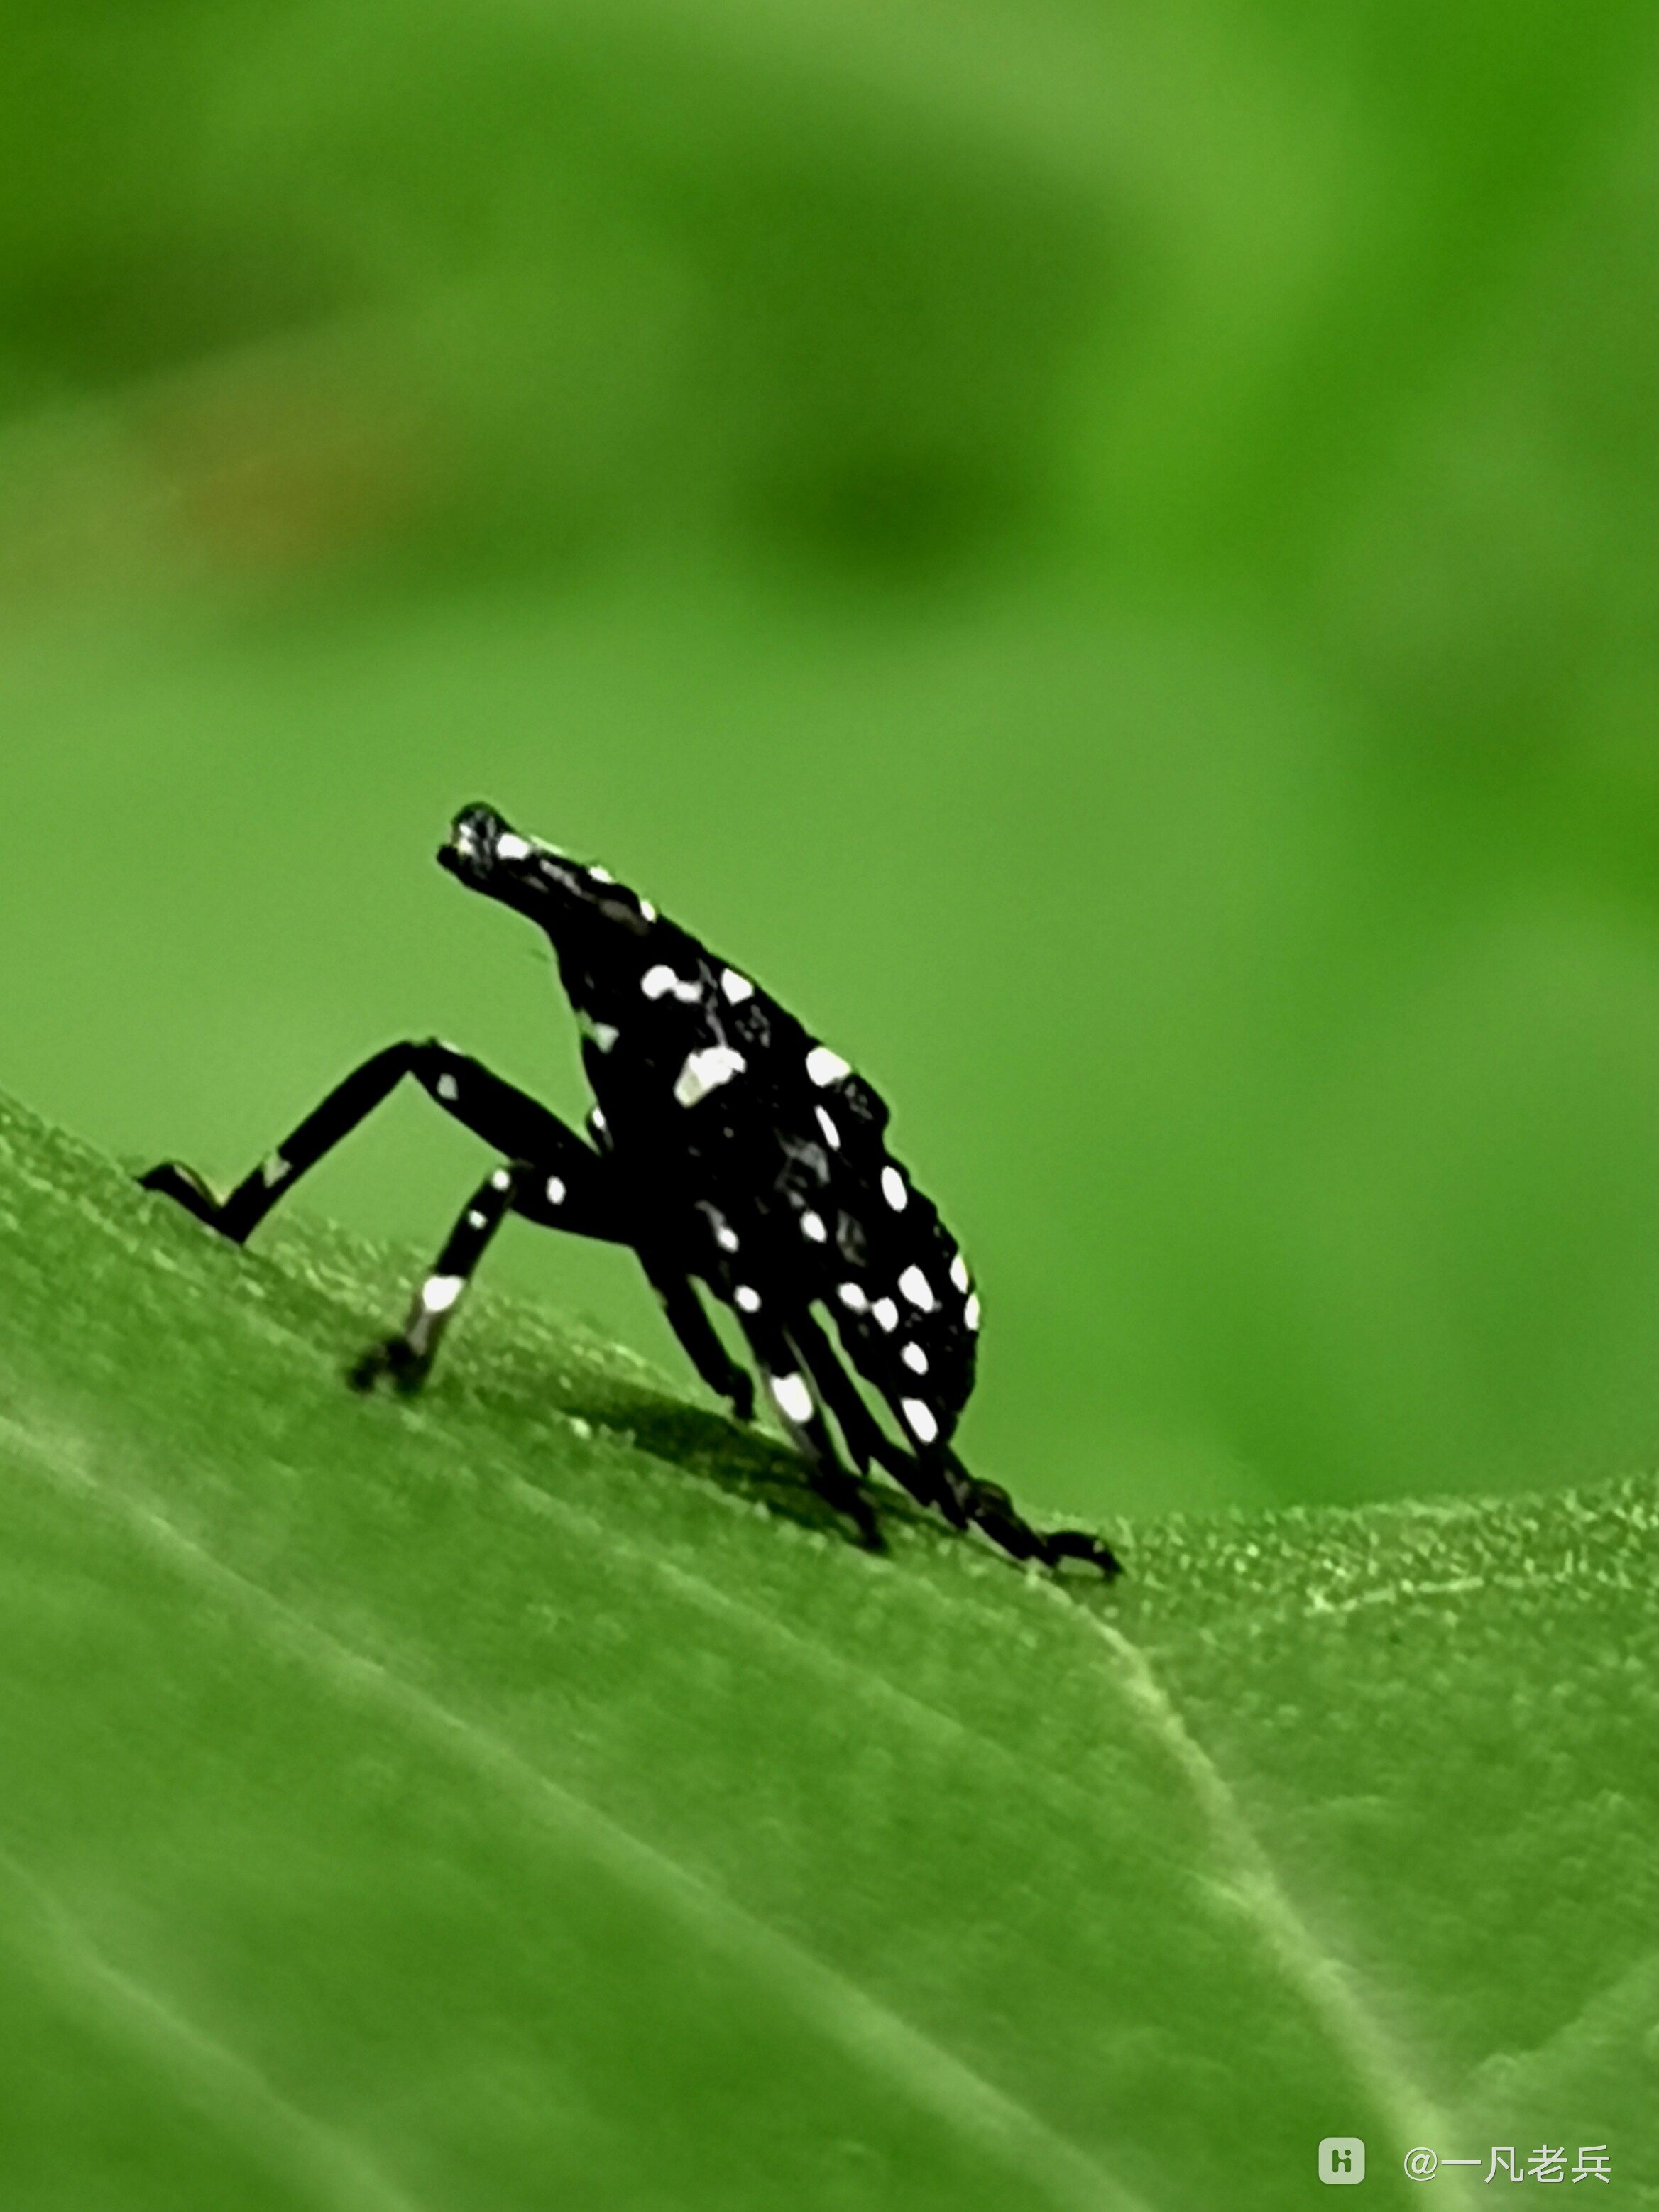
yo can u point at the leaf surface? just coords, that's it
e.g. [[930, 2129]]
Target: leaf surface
[[523, 1796]]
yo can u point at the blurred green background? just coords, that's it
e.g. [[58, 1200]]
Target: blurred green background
[[1107, 554]]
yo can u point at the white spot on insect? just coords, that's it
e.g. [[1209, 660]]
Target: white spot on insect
[[914, 1359], [812, 1228], [959, 1271], [556, 1193], [735, 988], [746, 1300], [661, 982], [894, 1189], [440, 1292], [706, 1070], [727, 1237], [886, 1314], [970, 1313], [831, 1133], [449, 1089], [598, 875], [501, 1180], [824, 1066], [917, 1288], [648, 909], [852, 1297], [604, 1034], [275, 1170], [919, 1420], [474, 1219], [793, 1399], [509, 846]]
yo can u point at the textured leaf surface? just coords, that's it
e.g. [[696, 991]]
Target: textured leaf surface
[[521, 1798]]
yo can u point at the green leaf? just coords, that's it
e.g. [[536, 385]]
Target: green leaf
[[522, 1796]]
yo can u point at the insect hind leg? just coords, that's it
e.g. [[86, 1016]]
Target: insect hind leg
[[866, 1440], [991, 1509], [700, 1340], [798, 1407]]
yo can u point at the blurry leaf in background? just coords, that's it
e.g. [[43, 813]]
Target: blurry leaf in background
[[1109, 555]]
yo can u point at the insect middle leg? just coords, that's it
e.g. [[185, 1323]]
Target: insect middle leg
[[553, 1201], [407, 1357]]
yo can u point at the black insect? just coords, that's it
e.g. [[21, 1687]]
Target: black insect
[[728, 1148]]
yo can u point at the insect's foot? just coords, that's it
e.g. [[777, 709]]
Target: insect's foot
[[943, 1487], [185, 1188], [1076, 1548], [993, 1511], [841, 1492], [741, 1391], [396, 1360], [864, 1517]]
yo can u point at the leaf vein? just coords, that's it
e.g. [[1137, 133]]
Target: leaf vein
[[205, 2071], [860, 2024], [1326, 1983]]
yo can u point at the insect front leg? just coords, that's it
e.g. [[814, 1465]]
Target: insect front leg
[[239, 1214], [509, 1121]]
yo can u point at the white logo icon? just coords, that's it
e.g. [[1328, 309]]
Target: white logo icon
[[1342, 2159]]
